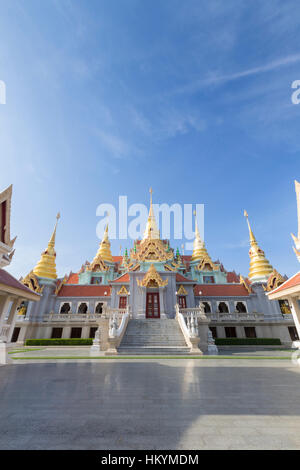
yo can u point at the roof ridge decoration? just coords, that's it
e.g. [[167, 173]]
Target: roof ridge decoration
[[206, 260], [182, 291], [244, 283], [61, 283], [152, 279], [123, 291], [296, 248], [31, 281], [152, 250], [287, 284], [275, 280], [169, 268], [136, 267], [98, 264]]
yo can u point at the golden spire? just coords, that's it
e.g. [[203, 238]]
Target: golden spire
[[199, 251], [296, 248], [104, 251], [151, 230], [260, 268], [46, 267]]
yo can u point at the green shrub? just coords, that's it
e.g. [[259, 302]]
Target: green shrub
[[59, 342], [247, 341]]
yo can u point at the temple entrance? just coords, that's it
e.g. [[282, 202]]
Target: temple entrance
[[152, 305]]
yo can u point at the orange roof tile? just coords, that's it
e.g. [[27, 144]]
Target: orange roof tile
[[124, 278], [84, 291], [232, 276], [117, 259], [221, 290], [181, 278], [186, 257], [72, 279]]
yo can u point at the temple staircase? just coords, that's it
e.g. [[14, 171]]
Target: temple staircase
[[153, 337]]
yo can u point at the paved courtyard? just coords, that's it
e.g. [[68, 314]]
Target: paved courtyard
[[150, 404]]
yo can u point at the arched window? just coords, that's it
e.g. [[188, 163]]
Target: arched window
[[99, 307], [82, 308], [241, 307], [65, 308], [223, 308], [207, 308]]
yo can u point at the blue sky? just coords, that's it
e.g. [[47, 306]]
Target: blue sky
[[108, 98]]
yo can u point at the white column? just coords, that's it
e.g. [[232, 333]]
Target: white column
[[22, 334], [296, 312], [4, 303], [13, 317], [142, 303], [85, 331], [161, 302], [66, 332]]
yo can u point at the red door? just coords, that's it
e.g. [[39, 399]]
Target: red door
[[152, 305], [182, 301], [123, 302]]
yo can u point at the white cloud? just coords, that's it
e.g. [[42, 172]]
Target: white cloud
[[117, 147], [215, 78]]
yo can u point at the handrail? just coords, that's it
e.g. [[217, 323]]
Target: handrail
[[115, 330], [183, 326]]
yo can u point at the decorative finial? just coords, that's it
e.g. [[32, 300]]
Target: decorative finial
[[151, 230]]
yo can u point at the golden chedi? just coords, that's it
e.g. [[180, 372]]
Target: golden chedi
[[104, 251], [260, 268], [46, 267], [199, 251]]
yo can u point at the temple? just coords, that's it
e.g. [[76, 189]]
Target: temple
[[154, 299], [13, 293]]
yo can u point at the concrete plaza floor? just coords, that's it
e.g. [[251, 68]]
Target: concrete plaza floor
[[150, 404]]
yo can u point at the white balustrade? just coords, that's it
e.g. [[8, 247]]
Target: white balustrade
[[225, 316], [4, 332], [72, 317], [252, 316], [107, 313]]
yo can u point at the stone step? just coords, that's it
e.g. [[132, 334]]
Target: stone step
[[155, 343], [153, 337], [160, 350]]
